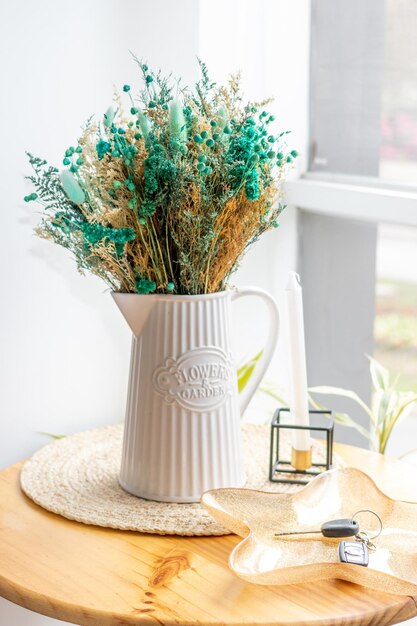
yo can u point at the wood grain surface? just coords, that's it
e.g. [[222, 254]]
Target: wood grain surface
[[103, 577]]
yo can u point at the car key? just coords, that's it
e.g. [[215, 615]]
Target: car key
[[354, 552], [333, 528]]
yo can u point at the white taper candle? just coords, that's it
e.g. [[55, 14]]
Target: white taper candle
[[297, 361]]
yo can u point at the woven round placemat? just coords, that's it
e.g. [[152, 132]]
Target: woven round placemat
[[76, 477]]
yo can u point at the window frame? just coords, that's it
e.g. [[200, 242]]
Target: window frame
[[354, 197]]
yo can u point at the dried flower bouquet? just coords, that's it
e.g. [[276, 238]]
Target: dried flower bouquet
[[166, 198]]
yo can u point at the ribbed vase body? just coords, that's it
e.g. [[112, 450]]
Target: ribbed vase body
[[182, 433]]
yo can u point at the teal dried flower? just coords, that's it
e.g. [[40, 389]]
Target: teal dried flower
[[177, 126], [120, 235], [126, 88], [222, 117], [32, 196], [144, 286], [147, 208], [102, 148], [109, 116], [71, 187], [144, 124], [252, 189], [94, 233], [158, 171]]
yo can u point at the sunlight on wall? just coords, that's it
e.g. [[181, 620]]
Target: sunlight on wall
[[65, 348]]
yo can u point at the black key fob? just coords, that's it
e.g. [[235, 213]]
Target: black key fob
[[340, 528], [355, 552]]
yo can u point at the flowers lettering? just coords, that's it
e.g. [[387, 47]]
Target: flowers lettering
[[200, 380]]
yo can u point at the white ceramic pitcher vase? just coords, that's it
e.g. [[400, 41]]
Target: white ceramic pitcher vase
[[182, 428]]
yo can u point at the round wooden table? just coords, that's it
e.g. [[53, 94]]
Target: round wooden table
[[102, 577]]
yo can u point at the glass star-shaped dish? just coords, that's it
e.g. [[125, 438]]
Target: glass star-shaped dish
[[268, 560]]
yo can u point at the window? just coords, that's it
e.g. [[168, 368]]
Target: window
[[364, 88]]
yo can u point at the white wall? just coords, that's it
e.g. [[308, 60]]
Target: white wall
[[64, 348]]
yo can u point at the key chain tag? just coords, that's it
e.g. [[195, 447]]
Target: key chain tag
[[354, 553]]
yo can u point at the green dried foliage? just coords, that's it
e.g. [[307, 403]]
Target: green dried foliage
[[166, 198]]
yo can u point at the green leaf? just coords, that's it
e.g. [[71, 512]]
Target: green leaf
[[386, 404], [245, 372], [379, 374], [345, 420], [338, 391], [406, 401], [403, 456], [52, 436], [342, 418]]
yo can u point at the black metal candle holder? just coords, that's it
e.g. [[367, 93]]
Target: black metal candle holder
[[279, 466]]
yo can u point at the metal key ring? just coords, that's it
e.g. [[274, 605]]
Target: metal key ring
[[363, 538], [378, 518]]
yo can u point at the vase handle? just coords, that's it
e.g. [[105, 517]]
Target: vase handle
[[264, 361]]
